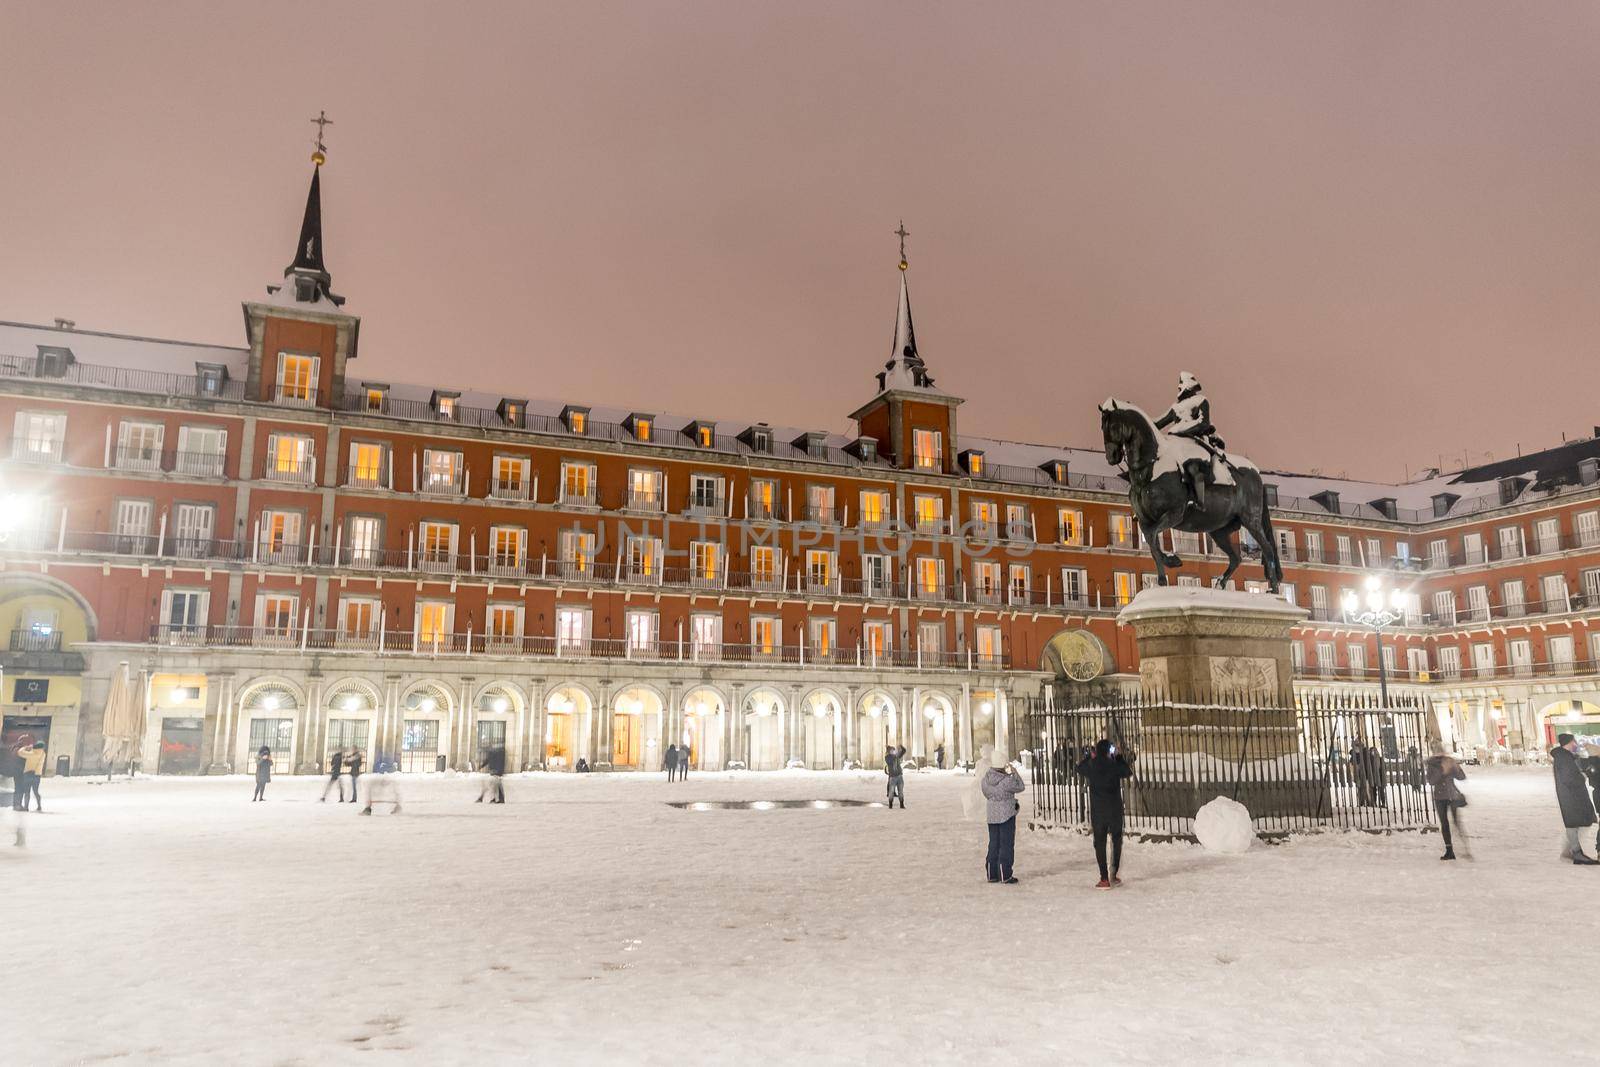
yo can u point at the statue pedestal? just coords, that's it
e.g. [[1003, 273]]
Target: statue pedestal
[[1199, 644], [1218, 693]]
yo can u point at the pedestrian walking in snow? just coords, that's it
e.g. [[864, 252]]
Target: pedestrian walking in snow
[[685, 757], [32, 771], [1443, 772], [1000, 785], [263, 773], [669, 762], [335, 775], [938, 755], [1104, 770], [1577, 808], [1360, 769], [494, 761], [382, 789], [894, 767], [353, 765]]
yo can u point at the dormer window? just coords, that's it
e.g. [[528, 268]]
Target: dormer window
[[758, 438], [1270, 494], [512, 411], [813, 443], [209, 379], [1511, 488], [1328, 499], [53, 361], [1056, 469], [576, 418], [972, 459], [642, 426], [1442, 503], [444, 404], [1385, 506], [305, 290], [704, 434], [374, 397], [864, 448]]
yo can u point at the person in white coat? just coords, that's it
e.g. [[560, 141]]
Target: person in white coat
[[1000, 785]]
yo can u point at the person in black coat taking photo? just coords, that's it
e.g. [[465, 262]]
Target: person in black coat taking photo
[[263, 773], [1104, 770], [1577, 809]]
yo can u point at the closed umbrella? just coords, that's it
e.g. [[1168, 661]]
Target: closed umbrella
[[123, 721]]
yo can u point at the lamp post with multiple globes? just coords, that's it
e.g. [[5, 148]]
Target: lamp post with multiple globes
[[1378, 609]]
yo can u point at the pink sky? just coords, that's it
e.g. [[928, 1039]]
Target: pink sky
[[1370, 228]]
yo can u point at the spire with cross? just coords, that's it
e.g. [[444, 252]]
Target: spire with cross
[[319, 155], [903, 233]]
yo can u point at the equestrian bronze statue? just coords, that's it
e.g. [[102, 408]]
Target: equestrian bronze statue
[[1181, 479]]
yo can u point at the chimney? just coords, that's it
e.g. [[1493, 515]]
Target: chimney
[[65, 324]]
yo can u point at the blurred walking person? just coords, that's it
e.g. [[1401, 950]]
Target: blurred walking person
[[32, 771], [263, 773], [1104, 771], [1577, 808], [353, 765], [1443, 772], [669, 762], [1000, 785], [894, 767], [494, 761], [335, 775], [382, 788]]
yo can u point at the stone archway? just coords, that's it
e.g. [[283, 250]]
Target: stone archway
[[637, 711], [704, 708], [569, 709], [763, 716]]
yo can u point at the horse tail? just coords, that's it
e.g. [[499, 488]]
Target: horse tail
[[1270, 545]]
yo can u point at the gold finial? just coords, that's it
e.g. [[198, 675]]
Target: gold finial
[[319, 155], [903, 233]]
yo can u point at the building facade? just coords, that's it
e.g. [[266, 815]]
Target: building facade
[[271, 545]]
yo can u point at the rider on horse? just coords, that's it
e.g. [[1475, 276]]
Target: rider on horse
[[1190, 417]]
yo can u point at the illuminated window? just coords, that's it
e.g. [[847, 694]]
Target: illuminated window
[[1019, 583], [433, 621], [510, 476], [367, 465], [641, 429], [703, 558], [644, 490], [438, 543], [577, 483], [297, 378], [877, 637], [576, 548], [819, 568], [984, 514], [874, 507], [929, 511], [1070, 523], [704, 436], [375, 399], [578, 421], [823, 633], [764, 636], [927, 449], [763, 498], [987, 643], [986, 580], [1124, 587], [358, 616], [1122, 535], [447, 407], [764, 566], [505, 622], [506, 545], [975, 463], [930, 576], [642, 555], [275, 613]]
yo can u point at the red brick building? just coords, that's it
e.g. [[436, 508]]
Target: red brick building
[[275, 545]]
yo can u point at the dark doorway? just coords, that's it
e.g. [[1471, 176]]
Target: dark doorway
[[16, 728], [180, 747]]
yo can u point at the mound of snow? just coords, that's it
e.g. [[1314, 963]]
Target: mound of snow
[[1224, 826]]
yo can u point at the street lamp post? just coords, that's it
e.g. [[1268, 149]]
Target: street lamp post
[[1377, 610]]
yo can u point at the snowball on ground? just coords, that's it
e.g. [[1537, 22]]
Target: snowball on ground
[[1224, 826]]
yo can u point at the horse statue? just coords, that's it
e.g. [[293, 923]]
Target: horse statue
[[1159, 469]]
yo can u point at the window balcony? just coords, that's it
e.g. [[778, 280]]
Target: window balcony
[[644, 500], [576, 569], [436, 561], [291, 396], [507, 564], [36, 639], [642, 574], [703, 504], [199, 464], [821, 514], [822, 583], [36, 450], [290, 471], [280, 553], [761, 511], [575, 499], [930, 524], [508, 490], [137, 458], [442, 483], [986, 593], [359, 479]]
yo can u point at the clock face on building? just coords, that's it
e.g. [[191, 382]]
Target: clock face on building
[[1079, 653]]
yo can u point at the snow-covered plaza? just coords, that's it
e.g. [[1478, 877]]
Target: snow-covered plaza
[[588, 920]]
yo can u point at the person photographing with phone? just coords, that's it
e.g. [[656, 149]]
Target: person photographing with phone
[[1104, 769]]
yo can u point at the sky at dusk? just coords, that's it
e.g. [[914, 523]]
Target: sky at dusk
[[1372, 229]]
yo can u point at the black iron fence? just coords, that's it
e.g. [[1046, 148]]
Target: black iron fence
[[1332, 761]]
